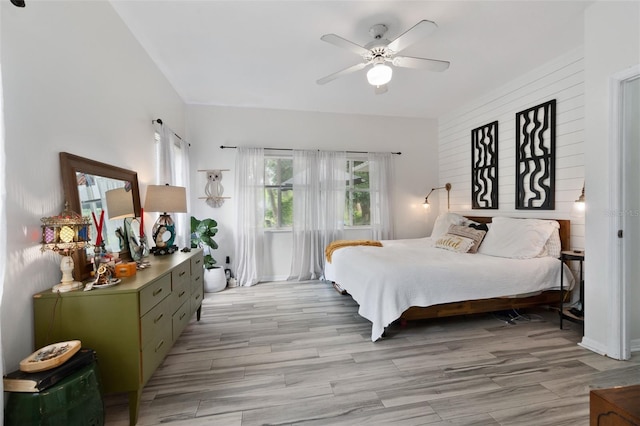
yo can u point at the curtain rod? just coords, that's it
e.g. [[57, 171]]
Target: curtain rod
[[291, 149], [159, 121]]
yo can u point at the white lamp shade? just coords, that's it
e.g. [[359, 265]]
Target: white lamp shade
[[119, 203], [379, 75], [166, 199]]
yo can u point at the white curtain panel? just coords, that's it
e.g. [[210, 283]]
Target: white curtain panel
[[173, 168], [318, 209], [380, 186], [249, 239]]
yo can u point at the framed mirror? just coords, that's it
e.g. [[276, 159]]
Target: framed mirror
[[85, 184]]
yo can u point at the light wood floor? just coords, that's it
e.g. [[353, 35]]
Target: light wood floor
[[299, 354]]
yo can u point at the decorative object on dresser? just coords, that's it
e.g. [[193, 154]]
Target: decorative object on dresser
[[535, 157], [446, 186], [163, 199], [484, 166], [64, 234], [131, 326]]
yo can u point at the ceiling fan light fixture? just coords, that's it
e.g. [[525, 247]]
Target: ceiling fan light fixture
[[379, 75]]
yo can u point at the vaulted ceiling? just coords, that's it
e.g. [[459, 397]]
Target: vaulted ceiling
[[268, 54]]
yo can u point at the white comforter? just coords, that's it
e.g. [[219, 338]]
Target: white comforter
[[386, 281]]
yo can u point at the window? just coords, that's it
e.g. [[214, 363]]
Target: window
[[357, 203], [278, 192]]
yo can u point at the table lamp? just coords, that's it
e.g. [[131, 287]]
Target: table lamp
[[64, 234], [163, 199]]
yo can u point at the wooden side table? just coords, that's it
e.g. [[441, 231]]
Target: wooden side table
[[615, 406], [573, 315]]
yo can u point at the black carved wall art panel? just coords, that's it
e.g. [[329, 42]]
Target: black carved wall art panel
[[535, 157], [484, 166]]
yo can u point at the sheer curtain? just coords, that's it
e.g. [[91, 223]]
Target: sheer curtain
[[380, 184], [319, 186], [172, 155], [249, 240]]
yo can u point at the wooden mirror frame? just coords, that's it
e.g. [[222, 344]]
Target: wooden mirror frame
[[69, 165]]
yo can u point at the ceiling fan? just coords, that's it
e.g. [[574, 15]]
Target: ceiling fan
[[381, 51]]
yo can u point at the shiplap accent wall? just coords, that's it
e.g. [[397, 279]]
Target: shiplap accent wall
[[561, 79]]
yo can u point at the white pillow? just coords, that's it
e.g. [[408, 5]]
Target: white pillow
[[553, 246], [444, 221], [517, 238], [455, 243]]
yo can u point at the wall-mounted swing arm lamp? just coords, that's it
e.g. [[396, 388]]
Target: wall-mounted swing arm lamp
[[580, 201], [446, 186]]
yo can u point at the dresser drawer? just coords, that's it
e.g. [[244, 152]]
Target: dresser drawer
[[196, 298], [179, 296], [155, 321], [181, 276], [197, 265], [180, 319], [154, 293], [154, 352]]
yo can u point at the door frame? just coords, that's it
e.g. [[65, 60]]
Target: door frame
[[619, 339]]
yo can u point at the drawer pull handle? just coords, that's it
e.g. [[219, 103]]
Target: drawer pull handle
[[197, 261], [197, 279], [183, 314], [182, 293], [158, 319], [197, 296], [182, 273], [159, 345], [157, 292]]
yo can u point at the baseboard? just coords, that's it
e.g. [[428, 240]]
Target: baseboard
[[594, 346]]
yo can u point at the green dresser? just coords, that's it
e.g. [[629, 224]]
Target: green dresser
[[132, 325]]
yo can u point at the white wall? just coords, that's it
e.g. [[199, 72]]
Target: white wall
[[74, 80], [561, 79], [210, 127], [612, 44]]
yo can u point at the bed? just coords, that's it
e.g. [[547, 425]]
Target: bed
[[420, 278]]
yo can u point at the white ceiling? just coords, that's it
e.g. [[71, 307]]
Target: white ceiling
[[268, 54]]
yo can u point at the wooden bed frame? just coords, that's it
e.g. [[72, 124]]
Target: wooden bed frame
[[549, 297]]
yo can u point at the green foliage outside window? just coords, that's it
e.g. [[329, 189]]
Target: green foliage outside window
[[278, 193]]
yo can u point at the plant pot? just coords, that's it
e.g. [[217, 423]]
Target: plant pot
[[214, 280]]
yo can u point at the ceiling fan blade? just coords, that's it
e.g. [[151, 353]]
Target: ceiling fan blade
[[412, 35], [344, 43], [424, 63], [352, 68], [379, 90]]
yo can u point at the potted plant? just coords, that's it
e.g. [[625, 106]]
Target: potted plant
[[202, 233]]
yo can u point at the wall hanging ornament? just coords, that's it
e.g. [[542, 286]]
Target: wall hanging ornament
[[214, 189], [484, 166], [535, 157]]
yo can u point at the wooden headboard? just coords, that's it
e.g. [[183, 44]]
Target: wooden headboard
[[565, 229]]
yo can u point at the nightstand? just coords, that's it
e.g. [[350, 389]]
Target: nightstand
[[573, 314]]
